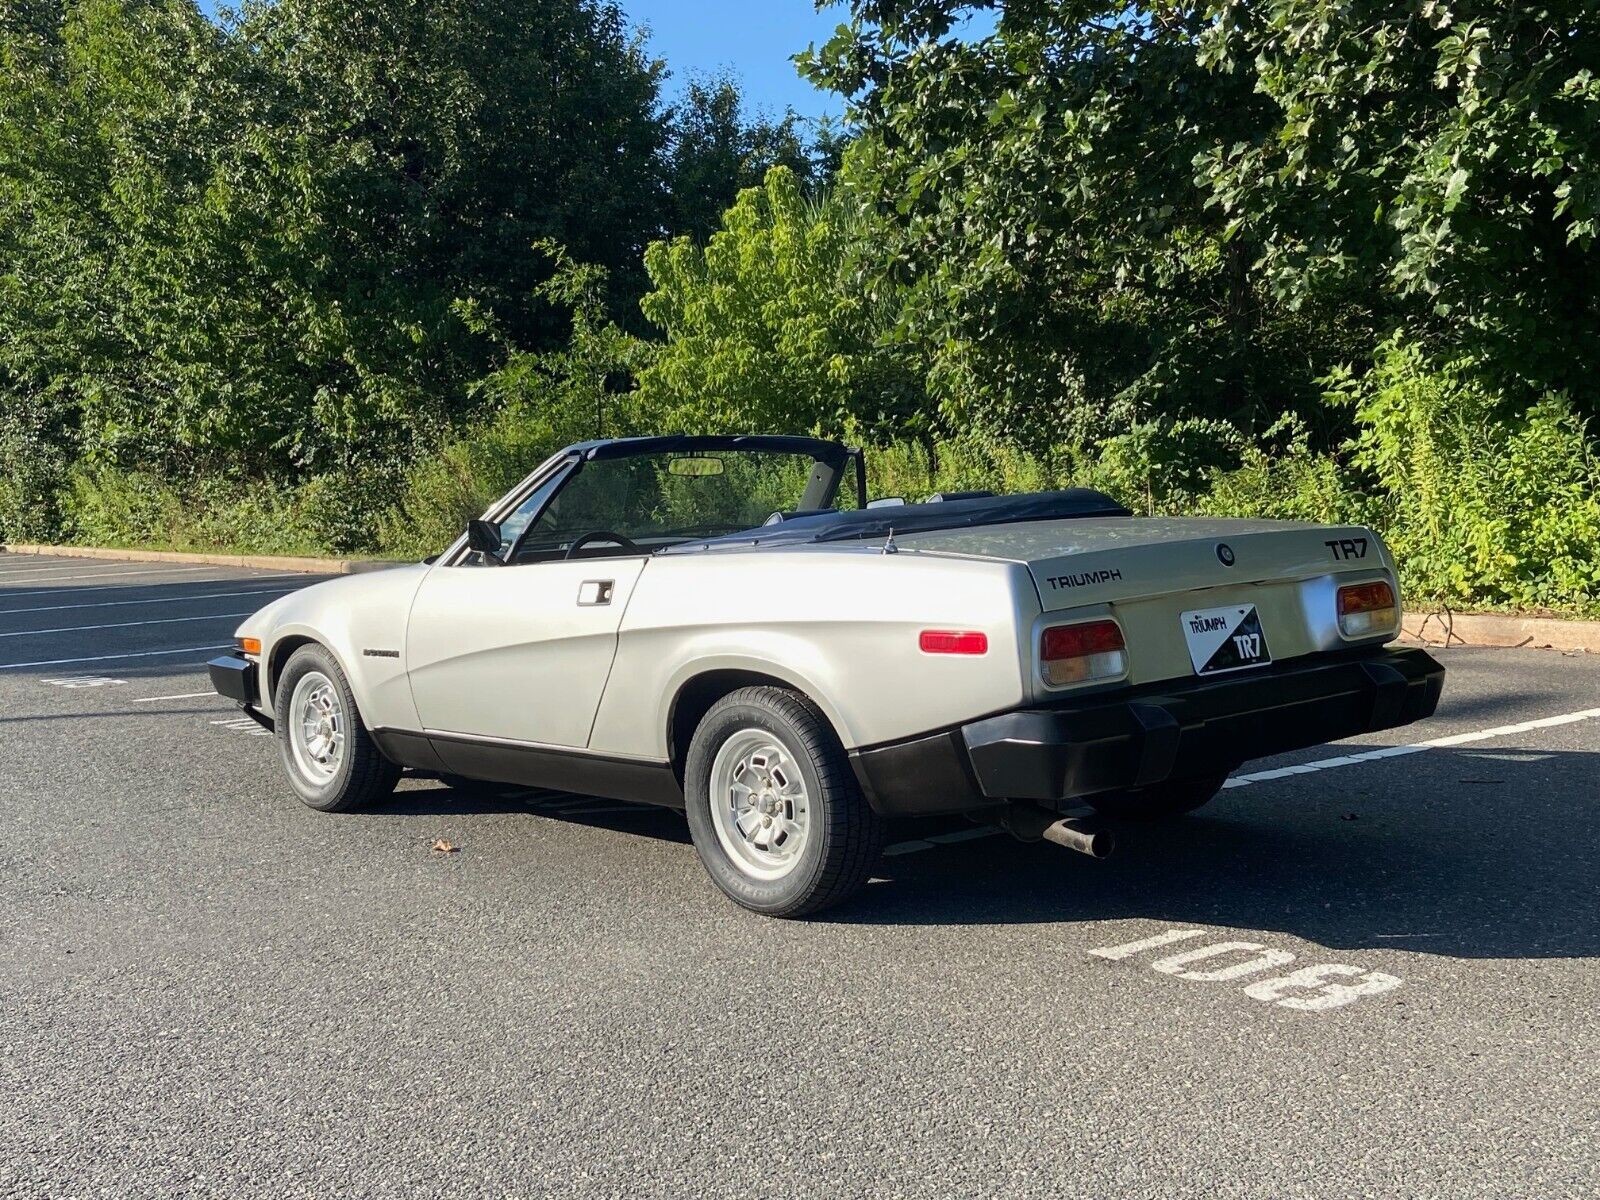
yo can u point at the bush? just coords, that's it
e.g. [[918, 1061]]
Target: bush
[[33, 479], [916, 470], [1479, 507], [1280, 477], [444, 490], [326, 515]]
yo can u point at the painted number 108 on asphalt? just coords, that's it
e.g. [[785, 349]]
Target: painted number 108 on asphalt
[[1309, 989]]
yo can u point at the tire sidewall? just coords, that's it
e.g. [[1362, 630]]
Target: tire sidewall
[[329, 794], [762, 895]]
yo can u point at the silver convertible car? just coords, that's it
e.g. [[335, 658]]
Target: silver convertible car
[[699, 622]]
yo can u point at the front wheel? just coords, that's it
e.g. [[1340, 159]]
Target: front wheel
[[331, 759], [1161, 802], [774, 810]]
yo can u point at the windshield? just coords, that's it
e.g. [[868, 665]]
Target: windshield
[[659, 499]]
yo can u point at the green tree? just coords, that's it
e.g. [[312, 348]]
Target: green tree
[[770, 326], [1442, 155], [247, 248], [715, 152], [1039, 210]]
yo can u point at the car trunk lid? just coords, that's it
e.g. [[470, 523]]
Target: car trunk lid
[[1148, 572]]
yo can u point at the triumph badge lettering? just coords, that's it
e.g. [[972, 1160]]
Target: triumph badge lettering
[[1225, 639], [1084, 578]]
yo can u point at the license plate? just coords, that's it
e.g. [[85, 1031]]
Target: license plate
[[1225, 639]]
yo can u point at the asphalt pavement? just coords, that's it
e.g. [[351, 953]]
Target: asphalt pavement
[[1370, 976]]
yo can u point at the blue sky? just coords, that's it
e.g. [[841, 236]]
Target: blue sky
[[754, 39]]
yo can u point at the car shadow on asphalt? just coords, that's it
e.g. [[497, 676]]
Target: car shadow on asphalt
[[429, 797], [1468, 852], [1471, 853]]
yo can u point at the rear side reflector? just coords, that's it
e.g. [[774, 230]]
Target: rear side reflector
[[1082, 653], [1368, 608], [953, 641]]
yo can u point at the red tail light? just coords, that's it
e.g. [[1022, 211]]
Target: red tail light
[[953, 641], [1368, 608], [1082, 653]]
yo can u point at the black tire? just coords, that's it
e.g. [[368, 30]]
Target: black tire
[[1161, 802], [843, 838], [362, 773]]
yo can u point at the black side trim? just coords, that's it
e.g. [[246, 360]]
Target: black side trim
[[922, 777], [408, 750], [534, 766]]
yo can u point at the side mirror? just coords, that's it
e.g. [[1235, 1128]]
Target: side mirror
[[484, 537]]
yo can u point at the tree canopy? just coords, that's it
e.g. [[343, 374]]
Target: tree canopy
[[1107, 210], [290, 242]]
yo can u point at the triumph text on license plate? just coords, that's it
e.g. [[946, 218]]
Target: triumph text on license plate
[[1225, 639]]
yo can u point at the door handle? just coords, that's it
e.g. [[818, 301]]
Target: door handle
[[592, 592]]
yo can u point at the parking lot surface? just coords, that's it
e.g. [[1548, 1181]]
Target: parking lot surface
[[1375, 975]]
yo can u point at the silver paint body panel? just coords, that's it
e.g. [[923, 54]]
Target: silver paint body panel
[[523, 654]]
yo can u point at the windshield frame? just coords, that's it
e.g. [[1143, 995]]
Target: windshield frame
[[830, 461]]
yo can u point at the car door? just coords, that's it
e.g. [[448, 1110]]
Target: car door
[[517, 653]]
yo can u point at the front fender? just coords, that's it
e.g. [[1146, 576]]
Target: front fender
[[360, 620]]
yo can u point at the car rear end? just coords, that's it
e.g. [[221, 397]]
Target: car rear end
[[1173, 649]]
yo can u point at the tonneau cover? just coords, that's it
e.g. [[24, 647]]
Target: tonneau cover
[[919, 518]]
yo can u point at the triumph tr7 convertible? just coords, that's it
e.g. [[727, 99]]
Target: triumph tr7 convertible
[[699, 622]]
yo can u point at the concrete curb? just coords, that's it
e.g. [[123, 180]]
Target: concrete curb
[[260, 562], [1496, 629]]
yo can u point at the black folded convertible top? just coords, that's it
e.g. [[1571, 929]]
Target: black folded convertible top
[[865, 523]]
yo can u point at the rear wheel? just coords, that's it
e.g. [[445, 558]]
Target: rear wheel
[[1161, 802], [331, 759], [774, 810]]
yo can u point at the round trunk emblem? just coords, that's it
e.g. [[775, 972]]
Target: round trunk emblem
[[1225, 553]]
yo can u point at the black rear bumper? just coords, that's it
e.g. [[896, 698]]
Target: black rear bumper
[[1182, 729]]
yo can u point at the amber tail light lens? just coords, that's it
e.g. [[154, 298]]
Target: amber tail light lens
[[1082, 653], [1368, 608]]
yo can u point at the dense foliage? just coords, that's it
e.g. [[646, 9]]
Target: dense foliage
[[329, 276], [287, 246]]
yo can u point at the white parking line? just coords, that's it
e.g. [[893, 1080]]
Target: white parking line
[[61, 662], [123, 625], [184, 696], [49, 568], [101, 589], [54, 578], [247, 725], [157, 600], [1439, 743]]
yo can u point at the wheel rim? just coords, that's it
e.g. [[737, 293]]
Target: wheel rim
[[759, 804], [316, 727]]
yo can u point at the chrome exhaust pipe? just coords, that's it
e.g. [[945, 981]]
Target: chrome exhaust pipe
[[1085, 837]]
